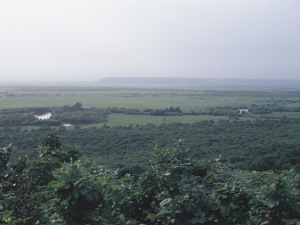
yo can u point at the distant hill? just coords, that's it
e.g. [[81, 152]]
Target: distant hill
[[167, 81]]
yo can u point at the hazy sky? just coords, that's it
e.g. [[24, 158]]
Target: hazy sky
[[85, 40]]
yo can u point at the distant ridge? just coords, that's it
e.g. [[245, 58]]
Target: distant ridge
[[153, 81], [168, 81]]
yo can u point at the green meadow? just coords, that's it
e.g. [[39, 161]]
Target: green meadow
[[194, 98], [125, 120], [189, 99], [136, 99]]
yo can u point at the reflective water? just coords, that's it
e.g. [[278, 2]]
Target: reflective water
[[67, 125], [45, 116]]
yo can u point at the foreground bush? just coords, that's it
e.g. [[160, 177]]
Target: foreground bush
[[53, 187]]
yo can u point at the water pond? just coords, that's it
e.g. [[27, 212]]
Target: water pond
[[67, 125], [45, 116]]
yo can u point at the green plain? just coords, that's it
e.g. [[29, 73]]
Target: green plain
[[196, 99]]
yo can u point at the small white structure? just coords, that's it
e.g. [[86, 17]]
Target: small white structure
[[244, 111]]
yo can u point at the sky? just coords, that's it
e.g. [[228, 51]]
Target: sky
[[86, 40]]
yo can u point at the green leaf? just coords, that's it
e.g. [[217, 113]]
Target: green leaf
[[198, 220], [165, 202], [122, 218], [225, 211], [272, 203], [67, 178], [76, 193], [83, 191], [233, 206], [151, 217]]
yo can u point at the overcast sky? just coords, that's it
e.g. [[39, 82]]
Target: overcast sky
[[86, 40]]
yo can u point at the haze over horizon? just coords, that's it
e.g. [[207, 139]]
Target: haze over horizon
[[64, 40]]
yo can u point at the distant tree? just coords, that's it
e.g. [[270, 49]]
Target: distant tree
[[158, 112], [77, 106]]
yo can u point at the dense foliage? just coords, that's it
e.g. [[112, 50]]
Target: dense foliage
[[78, 115], [269, 144], [20, 184], [51, 186]]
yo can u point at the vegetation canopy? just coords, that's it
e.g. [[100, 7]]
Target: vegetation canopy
[[52, 186]]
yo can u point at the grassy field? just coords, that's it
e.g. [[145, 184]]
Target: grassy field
[[187, 98], [128, 99], [295, 115], [125, 120], [120, 119], [197, 99]]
